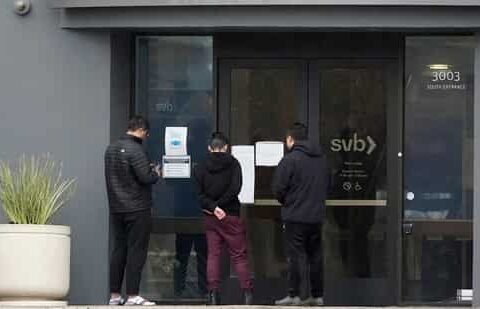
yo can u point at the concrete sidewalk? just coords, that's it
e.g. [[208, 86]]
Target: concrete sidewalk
[[226, 307]]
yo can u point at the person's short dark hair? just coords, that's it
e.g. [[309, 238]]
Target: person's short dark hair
[[298, 131], [138, 122], [218, 140]]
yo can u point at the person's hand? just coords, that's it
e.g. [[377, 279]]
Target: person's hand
[[158, 170], [219, 213]]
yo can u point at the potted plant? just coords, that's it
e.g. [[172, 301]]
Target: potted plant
[[34, 254]]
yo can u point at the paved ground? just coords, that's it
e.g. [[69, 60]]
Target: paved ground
[[223, 307]]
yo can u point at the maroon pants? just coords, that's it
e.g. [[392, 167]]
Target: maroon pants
[[229, 231]]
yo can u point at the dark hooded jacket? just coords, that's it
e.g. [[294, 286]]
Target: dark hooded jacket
[[219, 180], [300, 184]]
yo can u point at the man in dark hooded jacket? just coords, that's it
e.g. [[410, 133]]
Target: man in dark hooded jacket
[[300, 185], [219, 181]]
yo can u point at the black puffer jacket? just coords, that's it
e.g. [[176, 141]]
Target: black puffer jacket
[[300, 184], [129, 176], [219, 181]]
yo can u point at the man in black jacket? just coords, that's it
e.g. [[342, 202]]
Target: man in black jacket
[[300, 185], [129, 177], [219, 181]]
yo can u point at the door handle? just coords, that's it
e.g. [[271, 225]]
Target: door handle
[[408, 228]]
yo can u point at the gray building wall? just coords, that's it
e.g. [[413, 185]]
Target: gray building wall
[[55, 97]]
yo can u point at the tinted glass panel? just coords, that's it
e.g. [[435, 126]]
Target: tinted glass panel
[[264, 101], [174, 88], [353, 131], [438, 170]]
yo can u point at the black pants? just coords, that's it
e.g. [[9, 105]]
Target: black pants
[[305, 259], [131, 234], [183, 246]]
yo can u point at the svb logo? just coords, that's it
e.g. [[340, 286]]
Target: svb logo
[[355, 144]]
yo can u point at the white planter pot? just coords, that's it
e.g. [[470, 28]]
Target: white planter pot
[[34, 264]]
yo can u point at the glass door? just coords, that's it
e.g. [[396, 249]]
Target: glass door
[[258, 100], [358, 128], [352, 110]]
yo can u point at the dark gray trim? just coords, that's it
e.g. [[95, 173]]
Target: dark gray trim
[[121, 82], [476, 180], [294, 45], [150, 3], [274, 18]]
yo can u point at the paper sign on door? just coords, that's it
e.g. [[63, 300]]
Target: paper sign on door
[[246, 157], [268, 153], [176, 141]]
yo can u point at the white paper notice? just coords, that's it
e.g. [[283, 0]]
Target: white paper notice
[[176, 166], [246, 156], [268, 153], [176, 141]]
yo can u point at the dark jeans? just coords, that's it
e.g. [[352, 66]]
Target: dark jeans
[[131, 234], [183, 246], [303, 244], [230, 231]]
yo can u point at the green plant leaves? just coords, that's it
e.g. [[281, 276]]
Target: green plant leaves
[[34, 190]]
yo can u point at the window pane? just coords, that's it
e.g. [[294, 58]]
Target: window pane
[[438, 127], [174, 88], [353, 129], [438, 168], [353, 102], [265, 100]]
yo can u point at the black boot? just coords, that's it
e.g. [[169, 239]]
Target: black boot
[[248, 297], [214, 298]]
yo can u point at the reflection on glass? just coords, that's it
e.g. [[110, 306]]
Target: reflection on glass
[[437, 255], [353, 129], [184, 243], [176, 268]]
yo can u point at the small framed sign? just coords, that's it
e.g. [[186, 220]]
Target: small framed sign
[[176, 166]]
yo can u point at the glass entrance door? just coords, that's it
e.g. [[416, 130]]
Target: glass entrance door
[[354, 101], [346, 107], [257, 99]]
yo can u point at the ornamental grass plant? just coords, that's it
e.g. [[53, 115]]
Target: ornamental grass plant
[[33, 190]]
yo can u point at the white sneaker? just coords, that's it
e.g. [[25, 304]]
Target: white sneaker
[[138, 301], [313, 301], [317, 301], [289, 301], [116, 301]]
